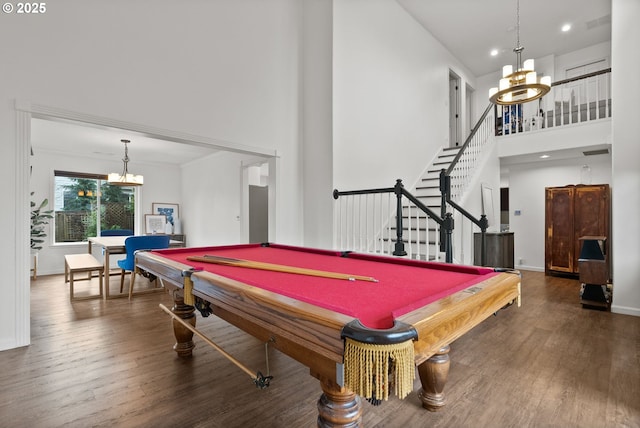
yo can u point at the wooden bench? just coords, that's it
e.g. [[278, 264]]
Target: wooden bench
[[76, 263]]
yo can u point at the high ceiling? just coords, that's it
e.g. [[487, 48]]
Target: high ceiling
[[470, 29]]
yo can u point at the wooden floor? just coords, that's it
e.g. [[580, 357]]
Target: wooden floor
[[550, 363]]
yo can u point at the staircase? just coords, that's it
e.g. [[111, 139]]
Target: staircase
[[420, 233]]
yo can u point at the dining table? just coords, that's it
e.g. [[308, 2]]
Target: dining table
[[109, 245]]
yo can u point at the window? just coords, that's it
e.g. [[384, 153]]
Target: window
[[85, 204]]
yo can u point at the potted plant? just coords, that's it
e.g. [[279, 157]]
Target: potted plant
[[39, 218]]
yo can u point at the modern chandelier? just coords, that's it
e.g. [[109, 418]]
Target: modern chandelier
[[125, 179], [522, 85]]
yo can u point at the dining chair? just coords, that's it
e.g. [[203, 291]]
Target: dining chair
[[138, 243]]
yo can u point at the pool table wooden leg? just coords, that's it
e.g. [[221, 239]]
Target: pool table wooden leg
[[338, 407], [184, 337], [433, 375]]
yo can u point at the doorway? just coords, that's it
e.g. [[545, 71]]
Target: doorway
[[258, 179], [469, 97]]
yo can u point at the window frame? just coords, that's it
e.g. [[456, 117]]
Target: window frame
[[101, 180]]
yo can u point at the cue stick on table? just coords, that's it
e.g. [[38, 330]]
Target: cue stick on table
[[278, 268], [260, 380]]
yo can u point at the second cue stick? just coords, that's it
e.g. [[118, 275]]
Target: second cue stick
[[250, 264], [208, 341]]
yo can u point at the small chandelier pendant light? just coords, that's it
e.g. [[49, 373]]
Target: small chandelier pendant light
[[125, 179], [522, 85]]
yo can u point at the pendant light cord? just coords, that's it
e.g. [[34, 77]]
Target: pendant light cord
[[517, 23]]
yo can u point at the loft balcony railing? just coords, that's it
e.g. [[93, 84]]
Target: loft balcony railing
[[571, 101]]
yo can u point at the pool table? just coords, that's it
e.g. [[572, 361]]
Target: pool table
[[361, 334]]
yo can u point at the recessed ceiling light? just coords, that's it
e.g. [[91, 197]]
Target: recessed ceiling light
[[494, 52], [544, 156], [566, 27]]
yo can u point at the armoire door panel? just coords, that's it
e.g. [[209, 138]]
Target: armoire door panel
[[560, 229], [572, 212]]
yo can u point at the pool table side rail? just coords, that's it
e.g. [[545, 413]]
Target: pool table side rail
[[167, 269], [317, 328], [305, 332], [440, 323]]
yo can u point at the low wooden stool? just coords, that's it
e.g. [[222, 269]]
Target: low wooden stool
[[75, 263]]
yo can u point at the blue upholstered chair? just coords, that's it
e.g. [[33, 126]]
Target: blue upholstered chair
[[137, 243], [116, 232]]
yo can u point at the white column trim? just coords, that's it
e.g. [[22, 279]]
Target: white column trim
[[22, 229]]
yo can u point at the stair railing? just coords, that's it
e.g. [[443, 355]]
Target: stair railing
[[455, 179], [466, 160], [482, 222], [361, 229]]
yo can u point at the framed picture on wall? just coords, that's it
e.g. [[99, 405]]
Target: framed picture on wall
[[170, 211], [154, 223]]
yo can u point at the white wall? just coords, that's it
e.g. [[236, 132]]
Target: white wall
[[527, 182], [566, 139], [212, 195], [391, 89], [626, 156], [224, 70], [317, 132], [582, 57]]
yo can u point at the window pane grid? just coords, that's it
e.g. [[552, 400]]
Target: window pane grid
[[85, 204]]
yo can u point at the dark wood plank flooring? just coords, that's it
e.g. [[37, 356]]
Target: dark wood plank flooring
[[550, 363]]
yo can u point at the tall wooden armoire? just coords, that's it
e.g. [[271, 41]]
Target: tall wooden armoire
[[572, 212]]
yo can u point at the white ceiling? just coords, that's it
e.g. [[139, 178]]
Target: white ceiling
[[468, 28], [79, 139]]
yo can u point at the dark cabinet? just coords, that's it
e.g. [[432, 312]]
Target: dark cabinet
[[572, 212], [499, 249]]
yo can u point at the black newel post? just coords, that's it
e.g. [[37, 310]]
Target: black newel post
[[484, 224], [447, 225], [399, 248], [445, 186]]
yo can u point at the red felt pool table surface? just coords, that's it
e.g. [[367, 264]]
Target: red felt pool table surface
[[403, 285]]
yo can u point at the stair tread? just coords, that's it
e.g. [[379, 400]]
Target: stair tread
[[412, 241], [422, 229]]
